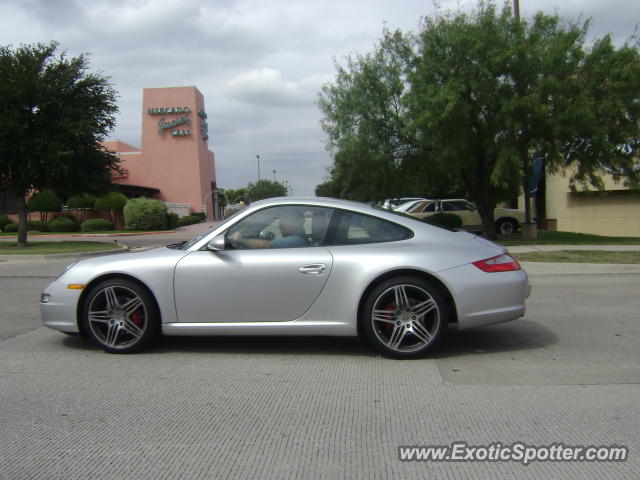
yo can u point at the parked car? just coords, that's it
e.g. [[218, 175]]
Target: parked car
[[392, 203], [507, 220], [406, 206], [294, 267]]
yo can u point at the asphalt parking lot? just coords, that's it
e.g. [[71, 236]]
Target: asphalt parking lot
[[216, 408]]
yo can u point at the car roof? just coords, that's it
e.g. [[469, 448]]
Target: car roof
[[360, 207]]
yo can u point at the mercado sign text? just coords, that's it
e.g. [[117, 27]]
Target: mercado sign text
[[168, 110]]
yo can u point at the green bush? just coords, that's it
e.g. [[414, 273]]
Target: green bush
[[44, 202], [201, 215], [96, 225], [63, 224], [86, 200], [188, 220], [37, 225], [10, 227], [4, 221], [145, 214], [446, 220], [69, 216], [112, 202], [172, 220], [81, 203]]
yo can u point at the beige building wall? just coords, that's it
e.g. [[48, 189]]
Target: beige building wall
[[614, 212]]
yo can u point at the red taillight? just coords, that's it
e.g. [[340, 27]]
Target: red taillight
[[500, 263]]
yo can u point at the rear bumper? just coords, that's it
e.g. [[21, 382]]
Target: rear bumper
[[486, 298]]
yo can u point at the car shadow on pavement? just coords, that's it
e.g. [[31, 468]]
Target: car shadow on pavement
[[284, 345], [504, 337], [507, 337]]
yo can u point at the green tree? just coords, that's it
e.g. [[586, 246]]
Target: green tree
[[327, 189], [55, 113], [112, 203], [44, 202], [265, 189], [366, 119], [476, 95], [81, 203], [489, 91]]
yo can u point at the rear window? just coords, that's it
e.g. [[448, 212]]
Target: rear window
[[355, 229]]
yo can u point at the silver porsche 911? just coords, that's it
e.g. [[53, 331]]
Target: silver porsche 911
[[294, 267]]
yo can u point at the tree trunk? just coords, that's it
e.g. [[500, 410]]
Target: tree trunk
[[486, 214], [22, 221]]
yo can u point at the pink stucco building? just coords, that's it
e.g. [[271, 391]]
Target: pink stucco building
[[174, 163]]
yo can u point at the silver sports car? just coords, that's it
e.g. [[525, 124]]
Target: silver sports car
[[295, 267]]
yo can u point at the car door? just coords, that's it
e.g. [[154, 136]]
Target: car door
[[256, 284], [470, 217]]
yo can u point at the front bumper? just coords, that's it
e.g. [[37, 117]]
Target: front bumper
[[59, 312]]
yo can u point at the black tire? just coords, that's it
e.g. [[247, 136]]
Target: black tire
[[397, 325], [120, 316], [506, 226]]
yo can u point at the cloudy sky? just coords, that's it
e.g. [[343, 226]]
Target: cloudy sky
[[259, 63]]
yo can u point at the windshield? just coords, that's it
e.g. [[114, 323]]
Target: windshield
[[193, 241]]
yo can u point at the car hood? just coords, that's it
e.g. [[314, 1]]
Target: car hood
[[131, 263]]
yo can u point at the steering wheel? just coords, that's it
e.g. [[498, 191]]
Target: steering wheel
[[265, 235]]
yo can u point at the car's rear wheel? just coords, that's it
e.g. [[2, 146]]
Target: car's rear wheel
[[120, 316], [405, 316], [506, 226]]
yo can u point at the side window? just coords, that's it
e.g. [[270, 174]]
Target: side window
[[281, 227], [453, 206], [355, 229], [430, 208]]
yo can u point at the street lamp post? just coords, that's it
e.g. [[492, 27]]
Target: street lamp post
[[258, 157], [274, 176]]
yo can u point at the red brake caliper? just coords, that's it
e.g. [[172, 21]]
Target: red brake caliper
[[389, 326], [136, 317]]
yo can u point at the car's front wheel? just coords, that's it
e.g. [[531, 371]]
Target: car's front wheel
[[120, 316], [405, 316]]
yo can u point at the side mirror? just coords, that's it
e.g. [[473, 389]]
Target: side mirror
[[217, 243]]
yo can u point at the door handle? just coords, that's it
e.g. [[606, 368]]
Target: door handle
[[313, 269]]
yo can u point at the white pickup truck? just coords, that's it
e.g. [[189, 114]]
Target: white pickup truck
[[508, 220]]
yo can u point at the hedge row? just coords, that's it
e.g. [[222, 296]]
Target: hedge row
[[61, 224]]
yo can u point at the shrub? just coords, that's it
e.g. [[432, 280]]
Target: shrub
[[81, 203], [201, 215], [96, 225], [172, 220], [63, 224], [37, 225], [446, 220], [111, 202], [4, 221], [145, 214], [44, 202], [69, 216], [86, 200], [11, 227], [188, 220]]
